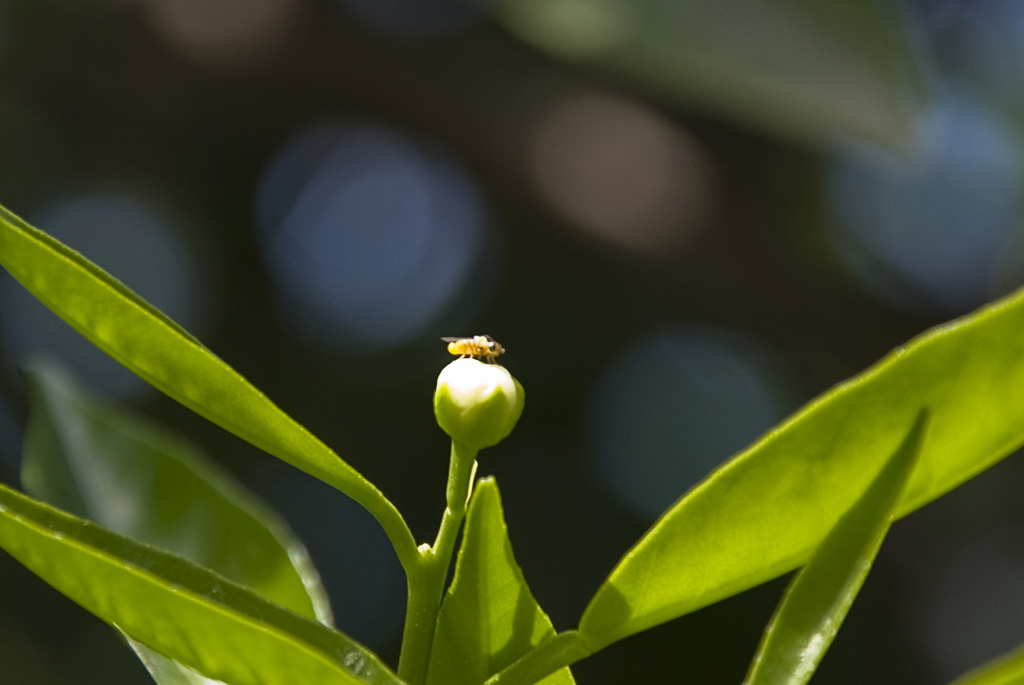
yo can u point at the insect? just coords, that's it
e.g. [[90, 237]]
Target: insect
[[479, 347]]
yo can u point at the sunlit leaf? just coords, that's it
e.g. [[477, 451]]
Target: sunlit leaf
[[183, 611], [488, 618], [822, 593], [142, 338], [1006, 670], [141, 482], [763, 512], [542, 661], [815, 70]]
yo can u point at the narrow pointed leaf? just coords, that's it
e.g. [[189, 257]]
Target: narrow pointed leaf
[[183, 611], [142, 338], [762, 513], [818, 599], [816, 602], [1005, 670], [489, 618], [141, 482], [815, 70]]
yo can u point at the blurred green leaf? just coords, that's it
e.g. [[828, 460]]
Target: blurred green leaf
[[1005, 670], [167, 671], [488, 618], [763, 512], [141, 482], [139, 336], [818, 599], [183, 611], [814, 70]]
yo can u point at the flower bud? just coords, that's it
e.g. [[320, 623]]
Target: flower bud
[[477, 404]]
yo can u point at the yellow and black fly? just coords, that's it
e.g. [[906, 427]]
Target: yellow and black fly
[[482, 347]]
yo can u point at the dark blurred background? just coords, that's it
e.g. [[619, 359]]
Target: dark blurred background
[[683, 220]]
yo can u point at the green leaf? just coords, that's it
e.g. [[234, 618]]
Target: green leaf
[[139, 336], [815, 603], [167, 671], [810, 69], [1005, 670], [183, 611], [762, 513], [489, 618], [818, 599], [141, 482]]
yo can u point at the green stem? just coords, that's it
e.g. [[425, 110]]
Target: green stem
[[427, 577], [420, 613]]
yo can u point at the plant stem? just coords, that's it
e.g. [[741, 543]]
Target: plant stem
[[426, 579], [420, 615]]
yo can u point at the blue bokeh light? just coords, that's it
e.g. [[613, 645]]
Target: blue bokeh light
[[370, 236], [941, 229], [983, 43], [137, 242], [677, 405]]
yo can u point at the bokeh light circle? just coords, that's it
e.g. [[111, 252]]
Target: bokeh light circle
[[574, 29], [939, 230], [983, 44], [675, 406], [223, 33], [370, 236], [135, 240], [621, 173]]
